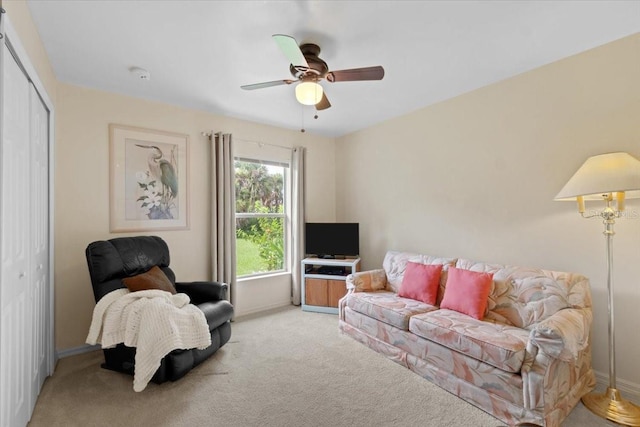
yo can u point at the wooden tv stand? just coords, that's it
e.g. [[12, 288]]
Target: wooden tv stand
[[323, 282]]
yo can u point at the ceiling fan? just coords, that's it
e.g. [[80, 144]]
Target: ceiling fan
[[307, 69]]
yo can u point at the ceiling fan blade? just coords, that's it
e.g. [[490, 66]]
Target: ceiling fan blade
[[324, 103], [267, 84], [354, 74], [289, 46]]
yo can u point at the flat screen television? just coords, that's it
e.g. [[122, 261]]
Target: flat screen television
[[332, 239]]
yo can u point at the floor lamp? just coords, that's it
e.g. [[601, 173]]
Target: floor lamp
[[607, 177]]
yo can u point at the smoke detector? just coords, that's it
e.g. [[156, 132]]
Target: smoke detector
[[140, 73]]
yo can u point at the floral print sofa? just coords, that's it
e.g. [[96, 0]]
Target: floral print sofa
[[527, 361]]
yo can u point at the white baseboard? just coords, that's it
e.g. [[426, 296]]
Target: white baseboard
[[629, 390], [262, 309], [67, 352]]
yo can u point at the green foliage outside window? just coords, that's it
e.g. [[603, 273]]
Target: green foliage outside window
[[268, 234], [254, 183]]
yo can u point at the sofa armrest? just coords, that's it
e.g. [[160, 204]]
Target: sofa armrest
[[200, 292], [563, 335], [558, 349], [372, 280]]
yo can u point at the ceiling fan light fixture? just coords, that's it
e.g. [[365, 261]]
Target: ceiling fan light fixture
[[309, 93], [307, 69]]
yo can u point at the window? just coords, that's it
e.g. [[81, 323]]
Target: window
[[260, 217]]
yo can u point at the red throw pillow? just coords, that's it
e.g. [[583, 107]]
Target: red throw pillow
[[467, 292], [420, 282]]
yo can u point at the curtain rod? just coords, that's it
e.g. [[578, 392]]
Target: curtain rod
[[260, 143]]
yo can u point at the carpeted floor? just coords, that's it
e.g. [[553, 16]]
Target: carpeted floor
[[283, 368]]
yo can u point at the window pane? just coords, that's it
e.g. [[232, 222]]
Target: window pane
[[260, 246], [259, 187]]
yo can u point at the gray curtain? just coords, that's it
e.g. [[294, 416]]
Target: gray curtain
[[297, 222], [223, 216]]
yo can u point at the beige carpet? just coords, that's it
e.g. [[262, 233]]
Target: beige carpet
[[283, 368]]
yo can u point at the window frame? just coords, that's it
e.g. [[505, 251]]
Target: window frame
[[285, 215]]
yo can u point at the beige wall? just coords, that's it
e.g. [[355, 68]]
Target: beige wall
[[475, 177], [82, 195]]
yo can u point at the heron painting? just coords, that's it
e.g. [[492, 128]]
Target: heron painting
[[156, 179], [149, 177]]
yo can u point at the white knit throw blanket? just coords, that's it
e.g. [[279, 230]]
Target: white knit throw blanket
[[155, 322]]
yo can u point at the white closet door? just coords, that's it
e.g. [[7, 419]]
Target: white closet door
[[39, 241], [16, 322]]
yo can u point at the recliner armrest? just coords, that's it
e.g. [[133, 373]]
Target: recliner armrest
[[200, 292]]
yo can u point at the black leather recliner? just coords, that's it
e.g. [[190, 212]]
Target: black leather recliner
[[112, 260]]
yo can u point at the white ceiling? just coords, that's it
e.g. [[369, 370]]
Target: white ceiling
[[199, 53]]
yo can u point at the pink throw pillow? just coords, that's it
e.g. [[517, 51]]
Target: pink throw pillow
[[420, 282], [467, 292]]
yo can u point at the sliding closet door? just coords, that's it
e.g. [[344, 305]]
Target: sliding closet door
[[16, 322], [39, 241]]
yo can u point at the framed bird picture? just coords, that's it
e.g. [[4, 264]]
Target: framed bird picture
[[148, 179]]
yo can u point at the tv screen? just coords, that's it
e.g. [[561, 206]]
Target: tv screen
[[328, 240]]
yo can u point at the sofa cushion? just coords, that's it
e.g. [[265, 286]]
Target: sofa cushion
[[395, 263], [421, 282], [524, 296], [467, 292], [498, 345], [387, 307]]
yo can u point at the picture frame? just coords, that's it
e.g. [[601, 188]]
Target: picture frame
[[148, 177]]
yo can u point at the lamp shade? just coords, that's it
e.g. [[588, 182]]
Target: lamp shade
[[603, 174], [309, 93]]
